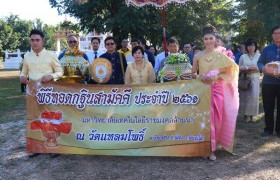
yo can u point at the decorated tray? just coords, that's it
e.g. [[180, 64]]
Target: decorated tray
[[101, 70]]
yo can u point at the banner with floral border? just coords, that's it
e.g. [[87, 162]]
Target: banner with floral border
[[167, 119]]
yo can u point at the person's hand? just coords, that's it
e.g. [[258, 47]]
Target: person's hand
[[265, 70], [23, 80], [253, 68], [208, 80], [46, 78], [194, 75], [242, 68]]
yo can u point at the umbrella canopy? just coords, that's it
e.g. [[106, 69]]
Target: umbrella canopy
[[157, 3]]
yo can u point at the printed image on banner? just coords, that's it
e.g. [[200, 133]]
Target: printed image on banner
[[167, 119]]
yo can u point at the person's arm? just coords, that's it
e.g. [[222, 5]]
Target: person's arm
[[85, 57], [241, 64], [151, 75], [151, 58], [61, 55], [58, 71], [124, 62], [127, 78], [24, 72], [157, 63], [262, 61], [195, 66]]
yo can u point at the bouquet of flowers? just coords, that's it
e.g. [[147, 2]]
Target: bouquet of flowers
[[176, 66], [228, 52], [177, 59]]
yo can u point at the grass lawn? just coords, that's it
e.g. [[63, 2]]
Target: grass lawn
[[12, 102]]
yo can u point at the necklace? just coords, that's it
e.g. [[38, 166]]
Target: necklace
[[250, 57]]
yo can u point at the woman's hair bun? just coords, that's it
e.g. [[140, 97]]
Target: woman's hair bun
[[209, 29]]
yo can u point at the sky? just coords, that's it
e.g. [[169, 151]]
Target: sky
[[32, 9]]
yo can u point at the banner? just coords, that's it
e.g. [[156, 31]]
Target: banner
[[167, 119]]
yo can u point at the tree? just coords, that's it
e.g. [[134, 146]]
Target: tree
[[184, 22], [114, 16], [22, 28], [8, 37], [259, 16]]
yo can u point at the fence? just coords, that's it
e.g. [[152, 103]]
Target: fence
[[13, 59]]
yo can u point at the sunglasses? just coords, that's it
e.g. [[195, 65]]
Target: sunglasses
[[72, 42], [110, 44]]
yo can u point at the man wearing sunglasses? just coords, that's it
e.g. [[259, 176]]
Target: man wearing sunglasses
[[117, 59], [73, 43]]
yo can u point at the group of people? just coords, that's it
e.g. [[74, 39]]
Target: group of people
[[211, 66]]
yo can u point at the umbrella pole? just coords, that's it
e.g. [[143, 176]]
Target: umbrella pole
[[163, 14]]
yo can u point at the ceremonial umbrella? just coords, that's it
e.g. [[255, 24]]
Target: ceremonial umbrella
[[159, 4]]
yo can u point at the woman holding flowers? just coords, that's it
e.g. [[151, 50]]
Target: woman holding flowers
[[140, 71], [221, 73]]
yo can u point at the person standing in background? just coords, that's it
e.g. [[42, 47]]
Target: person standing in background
[[94, 53], [271, 84], [249, 99]]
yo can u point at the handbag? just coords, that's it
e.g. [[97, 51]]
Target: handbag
[[244, 82]]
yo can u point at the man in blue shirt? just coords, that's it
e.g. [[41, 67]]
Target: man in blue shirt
[[271, 84], [117, 59]]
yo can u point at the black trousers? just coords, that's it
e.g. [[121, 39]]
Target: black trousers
[[22, 87], [270, 95]]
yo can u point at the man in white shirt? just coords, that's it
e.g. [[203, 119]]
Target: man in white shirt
[[129, 58], [94, 53]]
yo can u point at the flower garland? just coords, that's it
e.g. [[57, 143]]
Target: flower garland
[[73, 52]]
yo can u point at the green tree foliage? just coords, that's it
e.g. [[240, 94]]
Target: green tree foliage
[[184, 22], [258, 18], [23, 28], [8, 37], [113, 16], [14, 33]]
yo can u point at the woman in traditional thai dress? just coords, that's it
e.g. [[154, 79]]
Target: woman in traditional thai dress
[[140, 71], [221, 73], [249, 99]]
